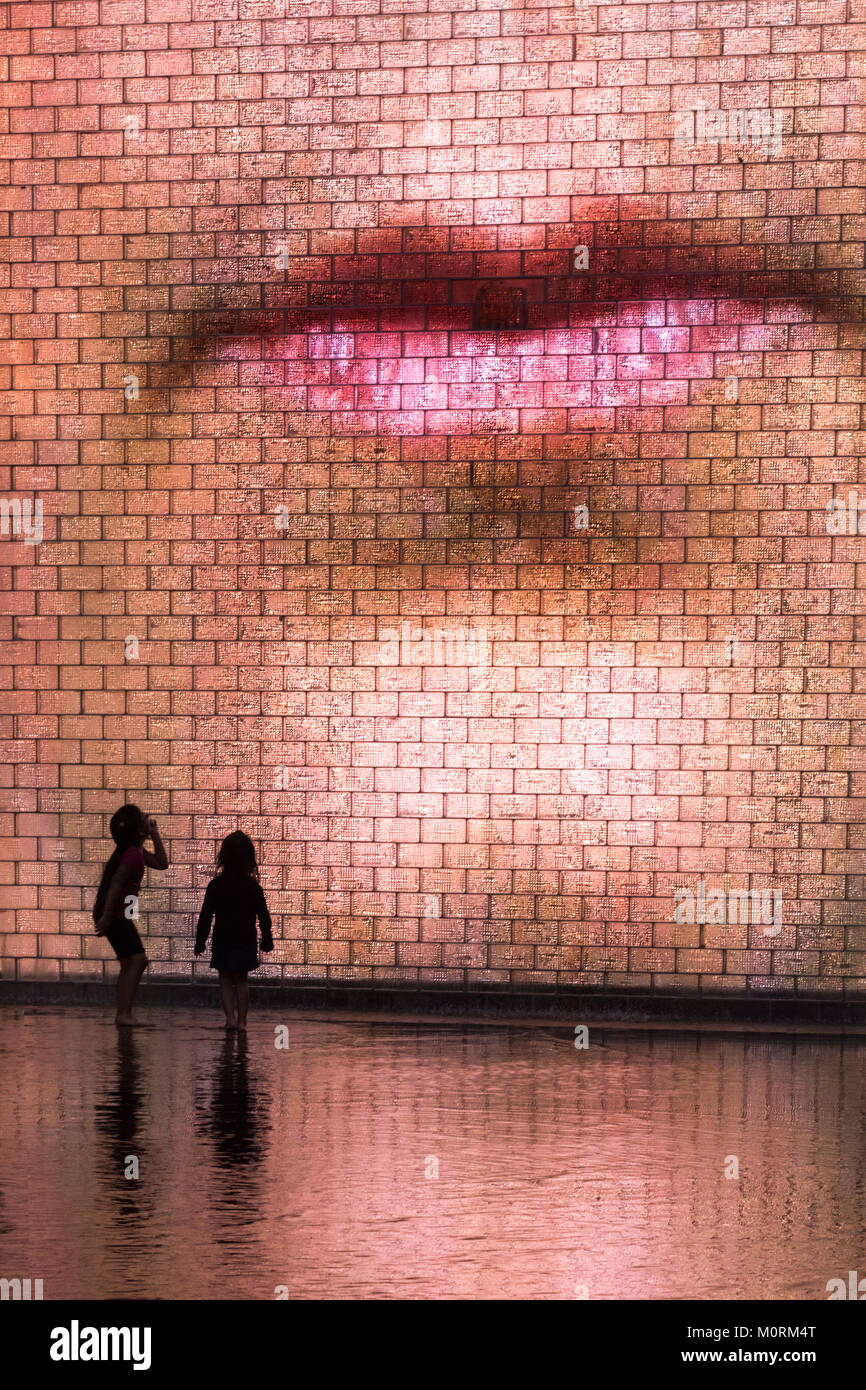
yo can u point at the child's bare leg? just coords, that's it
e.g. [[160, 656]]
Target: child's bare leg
[[242, 989], [227, 991], [131, 970]]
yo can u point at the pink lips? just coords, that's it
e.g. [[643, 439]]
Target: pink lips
[[481, 281]]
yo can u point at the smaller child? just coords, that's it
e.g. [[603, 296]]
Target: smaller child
[[235, 899]]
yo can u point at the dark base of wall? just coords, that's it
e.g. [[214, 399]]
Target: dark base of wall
[[573, 1007]]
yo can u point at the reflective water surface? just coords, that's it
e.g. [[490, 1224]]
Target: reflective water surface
[[408, 1160]]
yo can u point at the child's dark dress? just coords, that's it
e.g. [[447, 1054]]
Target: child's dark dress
[[235, 900]]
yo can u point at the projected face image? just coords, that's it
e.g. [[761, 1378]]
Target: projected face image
[[432, 517], [481, 377]]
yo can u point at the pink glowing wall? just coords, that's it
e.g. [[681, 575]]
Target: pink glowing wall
[[248, 383]]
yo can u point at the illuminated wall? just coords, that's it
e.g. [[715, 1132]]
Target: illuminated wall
[[433, 446]]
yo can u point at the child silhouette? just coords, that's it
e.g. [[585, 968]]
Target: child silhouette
[[115, 911], [234, 899]]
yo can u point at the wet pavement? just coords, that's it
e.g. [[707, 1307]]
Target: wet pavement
[[335, 1158]]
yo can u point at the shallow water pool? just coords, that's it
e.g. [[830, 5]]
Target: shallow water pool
[[370, 1159]]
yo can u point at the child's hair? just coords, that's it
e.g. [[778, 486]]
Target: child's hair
[[125, 827], [237, 854]]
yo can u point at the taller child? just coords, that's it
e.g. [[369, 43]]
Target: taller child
[[115, 911]]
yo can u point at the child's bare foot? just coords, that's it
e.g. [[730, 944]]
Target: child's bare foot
[[124, 1021], [231, 1025]]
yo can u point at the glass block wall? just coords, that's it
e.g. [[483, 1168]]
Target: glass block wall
[[433, 444]]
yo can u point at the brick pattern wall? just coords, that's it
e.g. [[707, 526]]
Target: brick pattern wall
[[244, 371]]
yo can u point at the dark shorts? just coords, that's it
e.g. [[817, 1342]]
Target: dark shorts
[[124, 939]]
